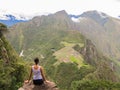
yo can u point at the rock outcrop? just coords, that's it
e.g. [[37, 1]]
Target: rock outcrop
[[46, 86]]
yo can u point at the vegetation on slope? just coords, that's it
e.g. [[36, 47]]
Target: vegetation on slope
[[92, 75], [95, 85], [12, 70]]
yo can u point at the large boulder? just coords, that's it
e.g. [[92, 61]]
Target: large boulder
[[46, 86]]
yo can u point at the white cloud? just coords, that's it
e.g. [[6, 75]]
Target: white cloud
[[75, 19], [30, 7], [4, 17]]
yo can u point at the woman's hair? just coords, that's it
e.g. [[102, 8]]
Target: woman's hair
[[36, 60]]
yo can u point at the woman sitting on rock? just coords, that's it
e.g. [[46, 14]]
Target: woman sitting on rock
[[38, 75]]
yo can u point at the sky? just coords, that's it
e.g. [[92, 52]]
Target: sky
[[77, 7]]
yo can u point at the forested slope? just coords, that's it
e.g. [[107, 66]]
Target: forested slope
[[12, 70]]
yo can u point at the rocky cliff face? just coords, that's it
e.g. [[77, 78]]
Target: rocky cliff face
[[46, 86], [102, 30], [102, 64]]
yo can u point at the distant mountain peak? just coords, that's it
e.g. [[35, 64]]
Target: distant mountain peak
[[98, 16], [94, 12], [61, 12]]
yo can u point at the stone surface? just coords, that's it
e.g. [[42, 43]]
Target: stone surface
[[46, 86]]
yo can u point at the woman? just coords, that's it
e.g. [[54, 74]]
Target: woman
[[38, 75]]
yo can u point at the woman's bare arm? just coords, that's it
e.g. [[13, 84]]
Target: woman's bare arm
[[30, 75], [42, 73]]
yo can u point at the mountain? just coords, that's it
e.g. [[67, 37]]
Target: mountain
[[103, 30], [42, 31], [68, 56], [12, 70], [93, 23], [97, 16]]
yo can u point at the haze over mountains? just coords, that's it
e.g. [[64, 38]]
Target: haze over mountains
[[10, 18], [87, 45], [103, 30]]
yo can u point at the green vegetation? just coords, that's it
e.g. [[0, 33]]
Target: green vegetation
[[68, 54], [76, 60], [12, 70], [95, 85], [3, 27], [66, 73]]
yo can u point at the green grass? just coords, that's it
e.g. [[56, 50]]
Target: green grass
[[68, 54], [72, 44], [78, 60]]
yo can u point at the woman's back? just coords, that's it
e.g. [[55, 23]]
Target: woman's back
[[36, 72]]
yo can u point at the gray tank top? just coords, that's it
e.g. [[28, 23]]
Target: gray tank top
[[36, 73]]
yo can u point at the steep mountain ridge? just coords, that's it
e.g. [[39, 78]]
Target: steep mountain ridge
[[94, 58], [101, 30], [12, 70], [41, 30], [99, 17]]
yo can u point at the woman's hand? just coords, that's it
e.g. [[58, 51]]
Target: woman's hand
[[46, 81]]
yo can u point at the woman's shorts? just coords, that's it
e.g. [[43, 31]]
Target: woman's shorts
[[38, 82]]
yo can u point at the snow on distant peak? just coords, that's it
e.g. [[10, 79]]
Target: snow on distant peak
[[75, 19], [79, 19]]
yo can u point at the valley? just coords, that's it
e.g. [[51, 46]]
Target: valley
[[75, 55]]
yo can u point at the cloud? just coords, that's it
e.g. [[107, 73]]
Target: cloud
[[117, 1], [3, 14], [75, 19], [4, 17], [29, 7]]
